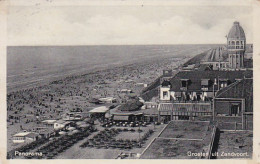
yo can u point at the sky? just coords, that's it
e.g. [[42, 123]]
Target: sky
[[124, 25]]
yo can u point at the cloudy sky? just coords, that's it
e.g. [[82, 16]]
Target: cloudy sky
[[140, 24]]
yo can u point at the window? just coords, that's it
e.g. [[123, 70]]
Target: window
[[222, 85], [184, 83], [234, 110], [237, 43], [183, 117], [165, 93], [198, 97]]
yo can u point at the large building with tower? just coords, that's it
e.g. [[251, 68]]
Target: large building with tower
[[232, 56], [222, 91], [236, 45]]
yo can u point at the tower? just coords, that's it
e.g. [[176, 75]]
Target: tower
[[236, 44]]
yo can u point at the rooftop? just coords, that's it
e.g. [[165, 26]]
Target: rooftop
[[62, 122], [195, 77], [215, 55], [101, 109], [49, 121], [240, 89], [236, 32], [178, 138], [26, 134]]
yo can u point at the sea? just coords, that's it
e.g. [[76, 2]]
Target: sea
[[29, 65]]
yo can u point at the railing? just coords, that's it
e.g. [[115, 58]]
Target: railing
[[186, 107], [236, 47], [212, 141], [185, 101]]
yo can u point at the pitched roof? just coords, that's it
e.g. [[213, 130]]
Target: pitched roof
[[241, 89], [49, 121], [166, 83], [62, 122], [215, 55], [101, 109], [195, 77]]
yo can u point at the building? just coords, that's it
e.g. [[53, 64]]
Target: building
[[216, 58], [107, 100], [48, 123], [231, 57], [189, 94], [25, 137], [198, 86], [99, 112], [130, 111], [236, 44], [61, 124], [235, 104], [74, 116]]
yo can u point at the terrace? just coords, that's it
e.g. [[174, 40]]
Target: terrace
[[109, 143]]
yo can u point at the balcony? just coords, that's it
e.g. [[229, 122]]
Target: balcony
[[236, 47], [186, 107]]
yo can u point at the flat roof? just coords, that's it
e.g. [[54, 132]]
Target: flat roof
[[185, 129], [164, 148], [49, 121], [23, 134], [178, 138]]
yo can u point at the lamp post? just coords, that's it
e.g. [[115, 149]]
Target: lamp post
[[215, 83]]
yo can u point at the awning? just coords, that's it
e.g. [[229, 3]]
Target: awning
[[166, 106], [121, 118]]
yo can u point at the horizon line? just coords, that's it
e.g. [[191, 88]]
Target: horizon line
[[115, 44]]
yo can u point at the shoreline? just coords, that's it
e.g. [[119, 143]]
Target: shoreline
[[85, 72]]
